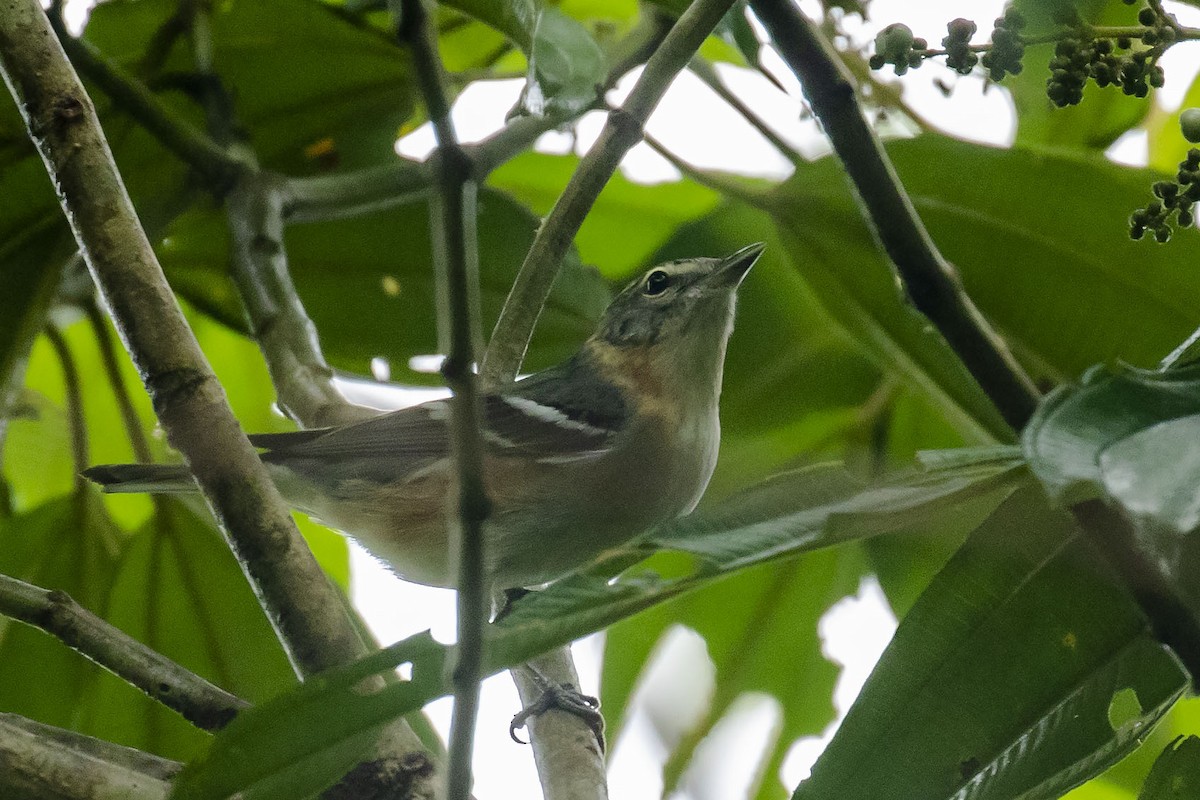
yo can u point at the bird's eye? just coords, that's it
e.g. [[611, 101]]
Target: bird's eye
[[657, 282]]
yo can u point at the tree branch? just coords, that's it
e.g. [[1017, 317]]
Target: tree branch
[[931, 283], [453, 221], [199, 702], [622, 131], [285, 334], [40, 762]]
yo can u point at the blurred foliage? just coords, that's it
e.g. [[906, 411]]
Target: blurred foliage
[[1014, 639]]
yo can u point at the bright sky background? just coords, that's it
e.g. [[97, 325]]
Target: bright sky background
[[694, 124]]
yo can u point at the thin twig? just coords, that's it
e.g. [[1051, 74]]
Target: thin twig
[[622, 130], [930, 281], [199, 702], [453, 222], [112, 369], [74, 396]]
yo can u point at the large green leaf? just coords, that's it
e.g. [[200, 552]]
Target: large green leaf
[[66, 544], [382, 267], [180, 591], [1130, 436], [1176, 774], [999, 216], [1022, 671]]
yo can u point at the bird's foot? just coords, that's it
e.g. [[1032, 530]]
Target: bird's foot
[[564, 697]]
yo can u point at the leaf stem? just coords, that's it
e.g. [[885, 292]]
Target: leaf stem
[[112, 369], [453, 223], [929, 280], [74, 398], [622, 130], [201, 703]]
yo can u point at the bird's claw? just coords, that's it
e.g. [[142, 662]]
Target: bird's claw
[[564, 697]]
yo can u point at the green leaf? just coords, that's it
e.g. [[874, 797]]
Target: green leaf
[[1116, 433], [1176, 773], [67, 544], [972, 197], [180, 591], [565, 63], [784, 516], [1129, 436], [337, 265], [304, 740], [998, 683], [1103, 115]]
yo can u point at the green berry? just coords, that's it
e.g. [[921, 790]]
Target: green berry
[[1147, 16], [1189, 124]]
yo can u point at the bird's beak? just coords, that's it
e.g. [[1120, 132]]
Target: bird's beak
[[733, 268]]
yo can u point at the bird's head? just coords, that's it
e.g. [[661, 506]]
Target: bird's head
[[678, 315], [678, 302]]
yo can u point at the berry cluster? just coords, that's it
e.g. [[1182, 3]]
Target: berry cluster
[[1004, 57], [1079, 57], [1176, 197], [897, 46]]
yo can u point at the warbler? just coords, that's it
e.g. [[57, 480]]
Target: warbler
[[579, 458]]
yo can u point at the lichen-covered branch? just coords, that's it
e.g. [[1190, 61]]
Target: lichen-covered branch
[[622, 131], [199, 702]]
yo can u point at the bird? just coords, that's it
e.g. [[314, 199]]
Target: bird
[[579, 459]]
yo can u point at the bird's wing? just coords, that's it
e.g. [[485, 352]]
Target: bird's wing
[[523, 421]]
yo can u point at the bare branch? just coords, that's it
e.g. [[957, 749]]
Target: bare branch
[[569, 761], [199, 702]]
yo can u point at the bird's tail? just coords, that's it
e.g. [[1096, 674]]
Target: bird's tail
[[130, 478]]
